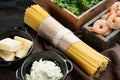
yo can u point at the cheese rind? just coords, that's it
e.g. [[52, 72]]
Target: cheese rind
[[9, 44], [26, 45]]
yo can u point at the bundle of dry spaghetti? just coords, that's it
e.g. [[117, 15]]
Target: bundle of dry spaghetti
[[47, 27]]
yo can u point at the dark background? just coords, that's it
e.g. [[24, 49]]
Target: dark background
[[11, 16]]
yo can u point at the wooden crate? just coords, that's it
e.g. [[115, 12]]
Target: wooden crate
[[98, 41], [70, 20]]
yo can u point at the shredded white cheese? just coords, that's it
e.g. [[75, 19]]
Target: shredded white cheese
[[44, 70]]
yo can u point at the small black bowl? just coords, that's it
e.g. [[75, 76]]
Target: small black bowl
[[65, 65], [22, 32]]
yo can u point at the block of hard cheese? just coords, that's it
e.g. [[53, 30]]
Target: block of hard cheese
[[26, 45], [7, 56], [9, 44]]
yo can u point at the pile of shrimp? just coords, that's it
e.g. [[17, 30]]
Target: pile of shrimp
[[108, 22]]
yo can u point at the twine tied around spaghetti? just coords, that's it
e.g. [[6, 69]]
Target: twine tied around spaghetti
[[56, 39]]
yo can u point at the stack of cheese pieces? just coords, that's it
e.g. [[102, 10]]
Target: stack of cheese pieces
[[11, 48]]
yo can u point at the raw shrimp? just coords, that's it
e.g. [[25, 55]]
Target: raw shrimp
[[100, 27], [115, 8], [113, 21]]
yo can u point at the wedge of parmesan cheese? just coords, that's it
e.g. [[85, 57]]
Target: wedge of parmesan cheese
[[9, 44], [26, 45], [7, 56]]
